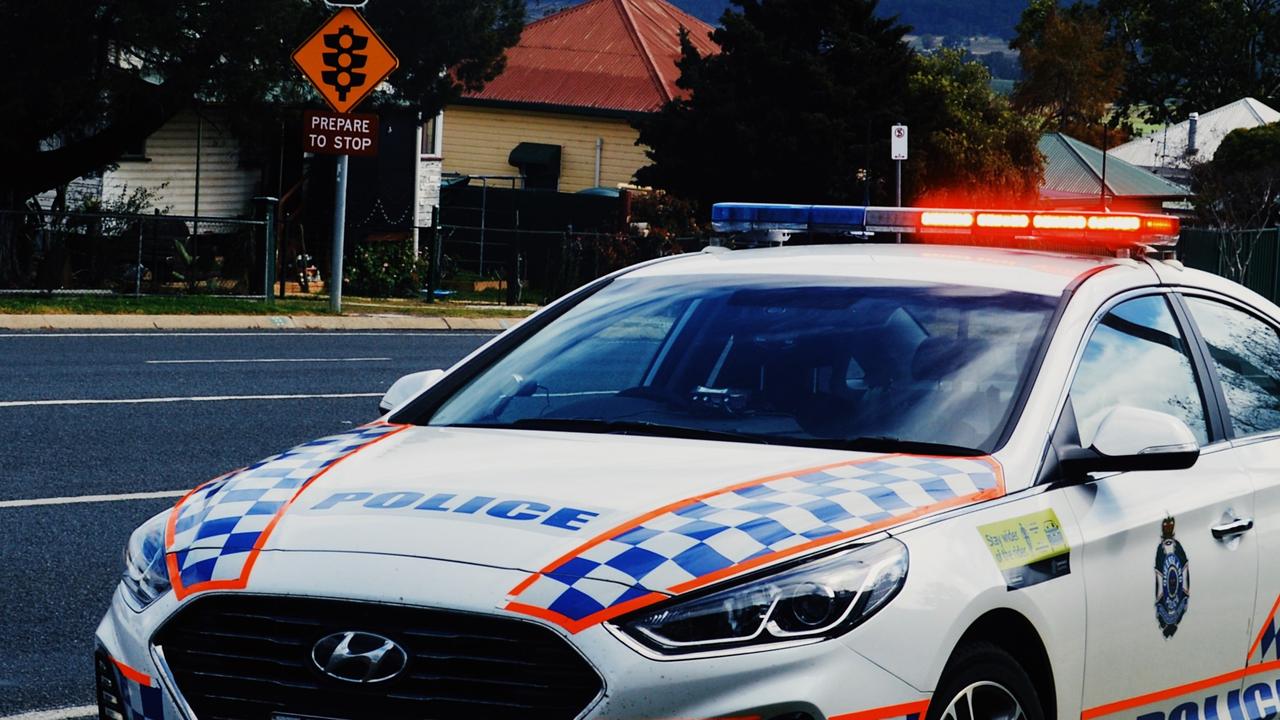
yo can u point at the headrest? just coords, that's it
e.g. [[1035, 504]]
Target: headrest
[[938, 357]]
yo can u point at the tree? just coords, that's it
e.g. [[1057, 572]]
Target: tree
[[1071, 71], [1196, 55], [1238, 193], [976, 150], [797, 108], [800, 98], [86, 79]]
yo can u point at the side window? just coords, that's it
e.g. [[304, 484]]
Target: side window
[[1137, 356], [1246, 351]]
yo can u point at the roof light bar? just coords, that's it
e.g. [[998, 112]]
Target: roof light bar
[[1090, 228], [945, 219], [1012, 221], [1054, 221], [1123, 223]]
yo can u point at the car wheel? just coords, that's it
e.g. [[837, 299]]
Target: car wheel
[[983, 682]]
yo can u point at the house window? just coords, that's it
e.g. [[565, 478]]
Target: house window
[[539, 165], [136, 151]]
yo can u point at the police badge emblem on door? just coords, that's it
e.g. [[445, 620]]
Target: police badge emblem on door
[[1173, 580]]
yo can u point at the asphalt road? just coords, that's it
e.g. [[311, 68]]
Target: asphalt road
[[60, 562]]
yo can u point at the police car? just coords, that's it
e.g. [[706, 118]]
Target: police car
[[955, 479]]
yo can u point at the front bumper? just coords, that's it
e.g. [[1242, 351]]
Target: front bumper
[[822, 681]]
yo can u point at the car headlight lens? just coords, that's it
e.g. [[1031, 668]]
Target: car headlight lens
[[814, 599], [146, 577]]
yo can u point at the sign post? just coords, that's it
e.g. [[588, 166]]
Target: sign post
[[898, 152], [345, 60]]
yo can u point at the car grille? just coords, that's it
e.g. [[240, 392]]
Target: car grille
[[246, 657]]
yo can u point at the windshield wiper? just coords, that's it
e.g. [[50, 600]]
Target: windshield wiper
[[911, 447], [621, 427]]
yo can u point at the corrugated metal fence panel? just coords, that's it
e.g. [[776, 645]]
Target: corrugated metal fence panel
[[1199, 249]]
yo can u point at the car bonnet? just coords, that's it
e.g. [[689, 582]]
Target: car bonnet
[[601, 524]]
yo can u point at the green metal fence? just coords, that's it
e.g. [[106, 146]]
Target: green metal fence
[[1202, 249]]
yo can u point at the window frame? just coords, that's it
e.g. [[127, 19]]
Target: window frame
[[1210, 392], [1202, 347]]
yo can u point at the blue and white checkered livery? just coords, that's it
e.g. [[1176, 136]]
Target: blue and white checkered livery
[[218, 529], [703, 539]]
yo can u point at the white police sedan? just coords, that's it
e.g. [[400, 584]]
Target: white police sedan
[[931, 481]]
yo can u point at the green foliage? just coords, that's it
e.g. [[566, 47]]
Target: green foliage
[[89, 78], [1253, 148], [665, 216], [137, 201], [799, 100], [975, 149], [385, 269], [1238, 193], [1072, 71], [1196, 55], [798, 106]]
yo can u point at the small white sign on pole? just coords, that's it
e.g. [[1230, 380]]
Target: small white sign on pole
[[898, 142]]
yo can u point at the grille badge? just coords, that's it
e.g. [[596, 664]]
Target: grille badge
[[359, 657]]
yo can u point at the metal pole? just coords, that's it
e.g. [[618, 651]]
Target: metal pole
[[899, 164], [1103, 188], [339, 237], [484, 210], [137, 271], [269, 264], [898, 236], [417, 187]]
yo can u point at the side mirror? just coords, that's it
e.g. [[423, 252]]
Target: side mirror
[[1131, 439], [407, 388]]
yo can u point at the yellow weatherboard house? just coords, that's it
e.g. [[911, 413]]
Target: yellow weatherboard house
[[559, 117]]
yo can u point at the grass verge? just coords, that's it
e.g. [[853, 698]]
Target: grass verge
[[213, 305]]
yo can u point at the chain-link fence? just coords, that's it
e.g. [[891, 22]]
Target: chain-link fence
[[131, 254], [531, 266]]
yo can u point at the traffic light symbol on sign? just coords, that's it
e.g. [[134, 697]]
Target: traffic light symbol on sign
[[344, 61]]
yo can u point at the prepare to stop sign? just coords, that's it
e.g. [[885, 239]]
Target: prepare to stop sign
[[334, 134]]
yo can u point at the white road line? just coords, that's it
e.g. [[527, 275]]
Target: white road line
[[264, 333], [205, 398], [83, 499], [84, 711], [267, 360]]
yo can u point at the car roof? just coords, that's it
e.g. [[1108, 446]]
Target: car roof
[[1027, 271]]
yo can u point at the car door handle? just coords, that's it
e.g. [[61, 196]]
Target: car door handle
[[1231, 529]]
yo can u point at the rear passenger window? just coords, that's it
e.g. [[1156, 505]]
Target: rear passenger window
[[1246, 351], [1138, 357]]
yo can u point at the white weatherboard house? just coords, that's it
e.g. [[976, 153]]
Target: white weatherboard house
[[1174, 150], [192, 163]]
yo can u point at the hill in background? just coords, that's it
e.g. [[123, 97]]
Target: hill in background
[[928, 17]]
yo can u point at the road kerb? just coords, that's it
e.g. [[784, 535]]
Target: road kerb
[[252, 322]]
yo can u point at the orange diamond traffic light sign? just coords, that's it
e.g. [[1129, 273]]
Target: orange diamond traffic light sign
[[345, 59]]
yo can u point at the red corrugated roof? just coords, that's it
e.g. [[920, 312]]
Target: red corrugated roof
[[602, 54]]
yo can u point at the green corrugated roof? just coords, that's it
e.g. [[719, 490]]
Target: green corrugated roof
[[1074, 169]]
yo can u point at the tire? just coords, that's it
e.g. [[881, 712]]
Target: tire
[[992, 680]]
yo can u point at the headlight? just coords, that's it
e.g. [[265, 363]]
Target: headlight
[[146, 577], [814, 599]]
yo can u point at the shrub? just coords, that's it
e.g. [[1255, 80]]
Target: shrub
[[385, 269]]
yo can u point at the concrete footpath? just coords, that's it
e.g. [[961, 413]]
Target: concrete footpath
[[253, 322]]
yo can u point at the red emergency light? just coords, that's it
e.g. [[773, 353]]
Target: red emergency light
[[1105, 228], [1047, 229]]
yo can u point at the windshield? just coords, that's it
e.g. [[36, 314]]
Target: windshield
[[794, 360]]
